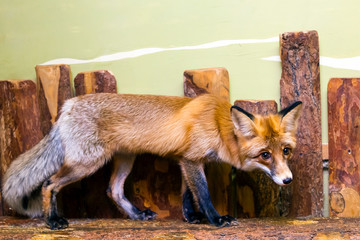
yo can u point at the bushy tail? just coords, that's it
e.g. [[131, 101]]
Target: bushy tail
[[23, 180]]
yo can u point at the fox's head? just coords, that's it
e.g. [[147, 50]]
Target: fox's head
[[267, 142]]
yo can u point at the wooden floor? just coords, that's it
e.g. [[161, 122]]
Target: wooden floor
[[318, 228]]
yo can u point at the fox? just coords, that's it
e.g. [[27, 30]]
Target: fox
[[92, 128]]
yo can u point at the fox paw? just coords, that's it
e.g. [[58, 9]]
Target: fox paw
[[55, 223], [225, 221], [194, 218], [147, 215]]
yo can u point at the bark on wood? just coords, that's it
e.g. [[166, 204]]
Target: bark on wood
[[214, 81], [19, 124], [102, 81], [88, 198], [257, 194], [344, 146], [300, 80], [53, 89]]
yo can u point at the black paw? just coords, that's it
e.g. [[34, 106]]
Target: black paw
[[225, 221], [55, 223], [147, 215], [194, 218]]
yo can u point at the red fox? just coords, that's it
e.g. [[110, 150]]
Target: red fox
[[193, 131]]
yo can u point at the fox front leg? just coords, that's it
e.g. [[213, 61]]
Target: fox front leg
[[196, 181], [188, 208]]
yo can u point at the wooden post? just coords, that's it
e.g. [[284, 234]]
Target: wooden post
[[300, 80], [155, 183], [208, 80], [215, 81], [19, 124], [257, 194], [91, 200], [53, 89], [344, 146], [102, 81]]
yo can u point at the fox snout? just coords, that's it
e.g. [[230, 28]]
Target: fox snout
[[282, 182], [283, 178]]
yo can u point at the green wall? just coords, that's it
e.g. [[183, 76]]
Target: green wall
[[35, 32]]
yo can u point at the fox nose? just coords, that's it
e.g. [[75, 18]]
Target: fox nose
[[287, 180]]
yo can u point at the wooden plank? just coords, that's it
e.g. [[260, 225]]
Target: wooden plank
[[88, 198], [325, 151], [250, 229], [54, 88], [344, 146], [214, 81], [19, 124], [300, 80], [257, 194]]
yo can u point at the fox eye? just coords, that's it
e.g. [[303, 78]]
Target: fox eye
[[265, 155], [286, 151]]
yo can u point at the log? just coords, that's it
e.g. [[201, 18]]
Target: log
[[214, 81], [19, 124], [258, 195], [155, 183], [54, 88], [300, 80], [102, 81], [207, 80], [344, 146], [88, 198]]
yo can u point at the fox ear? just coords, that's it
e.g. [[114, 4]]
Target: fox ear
[[243, 121], [290, 116]]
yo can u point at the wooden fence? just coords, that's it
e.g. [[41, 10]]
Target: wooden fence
[[27, 112]]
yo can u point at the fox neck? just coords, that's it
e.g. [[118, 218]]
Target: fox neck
[[229, 151]]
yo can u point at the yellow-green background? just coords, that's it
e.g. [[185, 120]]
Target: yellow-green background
[[34, 32]]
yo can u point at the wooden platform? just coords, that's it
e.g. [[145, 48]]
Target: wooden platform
[[316, 228]]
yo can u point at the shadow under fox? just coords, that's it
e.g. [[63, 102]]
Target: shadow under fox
[[193, 131]]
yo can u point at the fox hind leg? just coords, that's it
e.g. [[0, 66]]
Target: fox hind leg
[[52, 186], [123, 164]]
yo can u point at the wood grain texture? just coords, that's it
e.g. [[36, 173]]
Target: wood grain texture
[[257, 194], [19, 124], [88, 198], [54, 88], [344, 146], [214, 81], [300, 81], [102, 81], [155, 183], [207, 80]]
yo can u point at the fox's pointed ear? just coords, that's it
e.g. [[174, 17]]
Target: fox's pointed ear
[[290, 116], [243, 121]]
